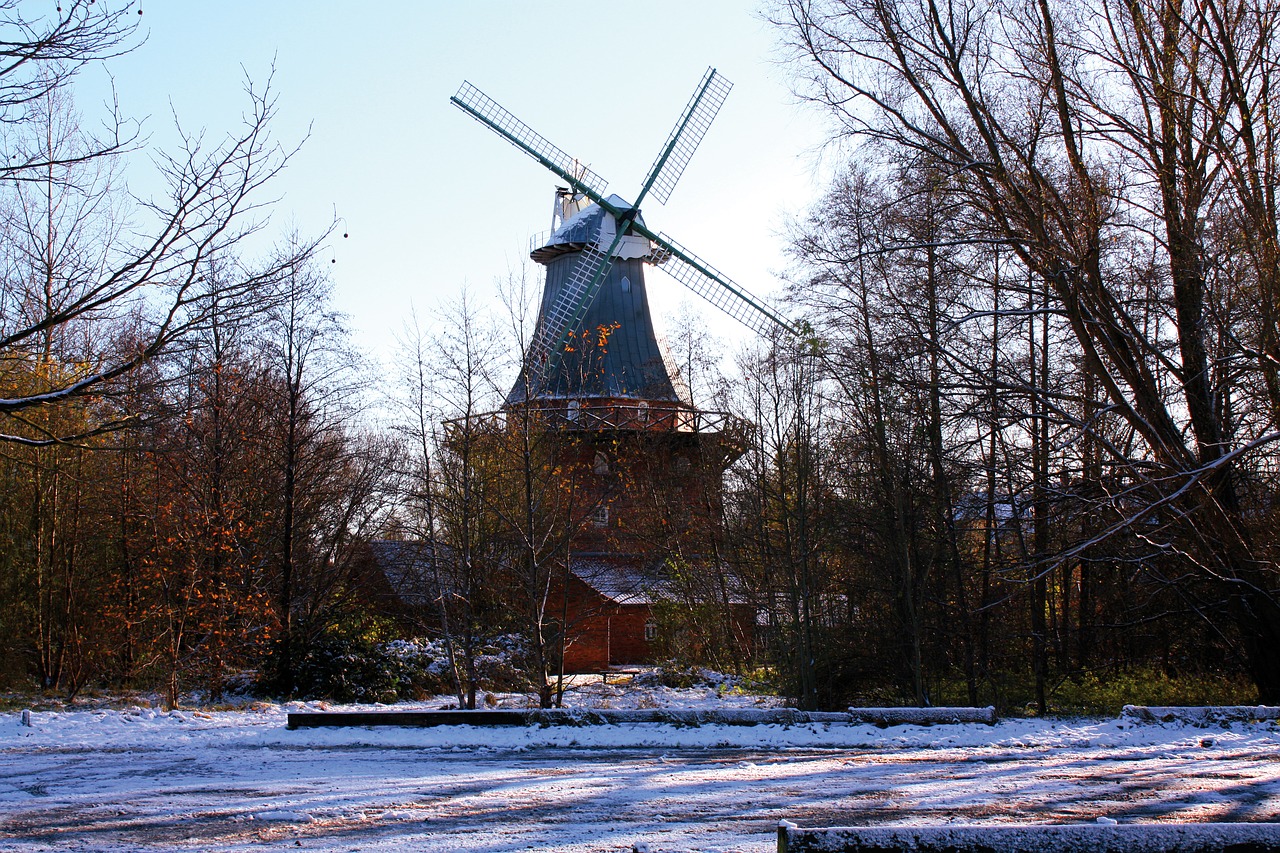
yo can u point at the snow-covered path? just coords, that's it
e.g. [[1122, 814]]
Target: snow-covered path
[[108, 780]]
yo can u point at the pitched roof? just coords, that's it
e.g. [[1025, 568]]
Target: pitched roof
[[406, 564], [634, 580], [622, 580]]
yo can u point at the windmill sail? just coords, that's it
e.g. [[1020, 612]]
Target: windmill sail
[[687, 135], [490, 113], [566, 312], [718, 289]]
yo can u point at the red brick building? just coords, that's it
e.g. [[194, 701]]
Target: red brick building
[[611, 609]]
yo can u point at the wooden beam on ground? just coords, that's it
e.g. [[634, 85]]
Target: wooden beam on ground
[[670, 716], [567, 717], [1201, 715], [1003, 838], [924, 716]]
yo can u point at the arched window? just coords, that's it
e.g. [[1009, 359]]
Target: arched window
[[601, 464], [642, 411]]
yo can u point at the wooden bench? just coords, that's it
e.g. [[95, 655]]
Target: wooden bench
[[618, 674]]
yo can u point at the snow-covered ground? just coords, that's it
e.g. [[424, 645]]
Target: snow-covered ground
[[141, 779]]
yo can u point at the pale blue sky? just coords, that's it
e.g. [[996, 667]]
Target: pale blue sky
[[431, 199]]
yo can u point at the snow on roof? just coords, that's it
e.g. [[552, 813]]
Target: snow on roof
[[634, 580], [622, 580], [593, 225]]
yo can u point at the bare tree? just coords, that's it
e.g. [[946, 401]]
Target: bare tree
[[535, 504], [155, 271], [53, 225], [1088, 138], [780, 534], [448, 388], [326, 482], [881, 316]]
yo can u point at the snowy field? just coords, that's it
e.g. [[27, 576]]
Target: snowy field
[[140, 779]]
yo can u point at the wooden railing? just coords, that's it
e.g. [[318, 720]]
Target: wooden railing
[[591, 416]]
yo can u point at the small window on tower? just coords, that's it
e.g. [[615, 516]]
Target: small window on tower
[[650, 631], [600, 516], [642, 411], [626, 284], [601, 464], [680, 464], [574, 407]]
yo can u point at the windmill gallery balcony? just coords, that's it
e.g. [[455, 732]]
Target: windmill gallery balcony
[[607, 415]]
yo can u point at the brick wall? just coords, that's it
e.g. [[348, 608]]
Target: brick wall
[[627, 632], [601, 633]]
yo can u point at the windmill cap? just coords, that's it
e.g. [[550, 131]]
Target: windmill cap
[[586, 227]]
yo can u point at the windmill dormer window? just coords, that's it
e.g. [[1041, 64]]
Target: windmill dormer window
[[573, 410]]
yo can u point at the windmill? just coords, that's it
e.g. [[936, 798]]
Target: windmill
[[618, 229], [644, 459]]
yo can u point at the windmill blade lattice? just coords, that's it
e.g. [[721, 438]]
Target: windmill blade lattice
[[687, 135], [492, 114], [706, 281], [562, 316]]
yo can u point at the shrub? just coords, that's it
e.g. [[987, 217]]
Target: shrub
[[1102, 692], [346, 666], [678, 675]]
